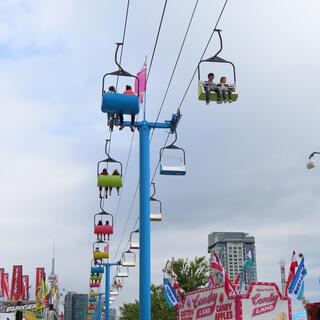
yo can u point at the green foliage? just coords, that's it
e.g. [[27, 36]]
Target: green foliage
[[159, 307], [191, 275], [129, 311]]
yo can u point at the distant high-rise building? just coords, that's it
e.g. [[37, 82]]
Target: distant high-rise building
[[75, 306], [232, 247], [113, 314]]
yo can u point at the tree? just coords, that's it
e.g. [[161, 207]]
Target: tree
[[159, 307], [129, 311], [191, 275]]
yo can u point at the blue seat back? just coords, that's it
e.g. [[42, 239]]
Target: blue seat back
[[120, 103], [97, 269]]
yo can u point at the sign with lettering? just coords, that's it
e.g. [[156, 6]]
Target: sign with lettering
[[264, 301], [13, 306], [208, 304]]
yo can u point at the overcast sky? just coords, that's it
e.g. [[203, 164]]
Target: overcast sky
[[245, 161]]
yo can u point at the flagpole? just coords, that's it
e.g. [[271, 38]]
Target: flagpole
[[145, 95]]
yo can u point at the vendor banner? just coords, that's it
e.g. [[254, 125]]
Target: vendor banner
[[1, 280], [264, 301], [16, 283], [5, 285], [169, 293], [13, 306], [208, 304], [40, 275], [25, 287]]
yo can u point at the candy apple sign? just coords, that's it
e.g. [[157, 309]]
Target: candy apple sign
[[263, 301], [208, 304]]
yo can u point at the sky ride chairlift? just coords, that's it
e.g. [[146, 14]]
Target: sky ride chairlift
[[128, 259], [217, 59], [134, 240], [106, 180], [96, 268], [114, 103], [100, 251], [155, 216], [122, 272], [103, 224], [172, 165]]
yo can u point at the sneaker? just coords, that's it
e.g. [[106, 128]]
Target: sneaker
[[219, 101], [230, 101], [121, 127], [207, 103]]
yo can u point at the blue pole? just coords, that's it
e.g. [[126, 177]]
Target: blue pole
[[100, 307], [107, 292], [144, 279]]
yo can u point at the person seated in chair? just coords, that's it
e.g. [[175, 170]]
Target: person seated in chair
[[104, 236], [111, 116], [225, 89], [119, 284], [96, 260], [209, 86], [127, 91], [115, 173], [99, 236], [104, 172]]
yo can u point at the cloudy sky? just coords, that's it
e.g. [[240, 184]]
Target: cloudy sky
[[245, 161]]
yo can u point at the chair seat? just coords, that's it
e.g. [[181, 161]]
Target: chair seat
[[103, 229], [95, 285], [118, 103], [155, 216], [134, 245], [172, 170], [122, 274], [128, 263], [213, 95], [97, 270], [100, 255], [109, 181]]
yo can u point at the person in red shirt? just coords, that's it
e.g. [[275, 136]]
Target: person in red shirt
[[127, 91]]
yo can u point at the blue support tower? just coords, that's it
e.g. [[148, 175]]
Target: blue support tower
[[144, 230], [144, 272], [107, 289], [99, 309]]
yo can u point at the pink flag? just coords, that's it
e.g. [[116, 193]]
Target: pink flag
[[141, 85], [217, 265]]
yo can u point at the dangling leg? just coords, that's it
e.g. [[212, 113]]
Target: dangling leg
[[132, 123], [218, 92], [224, 95], [118, 191], [121, 121], [230, 94], [100, 192], [207, 91]]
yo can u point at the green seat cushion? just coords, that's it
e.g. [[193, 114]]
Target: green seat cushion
[[100, 255], [213, 95], [109, 181]]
